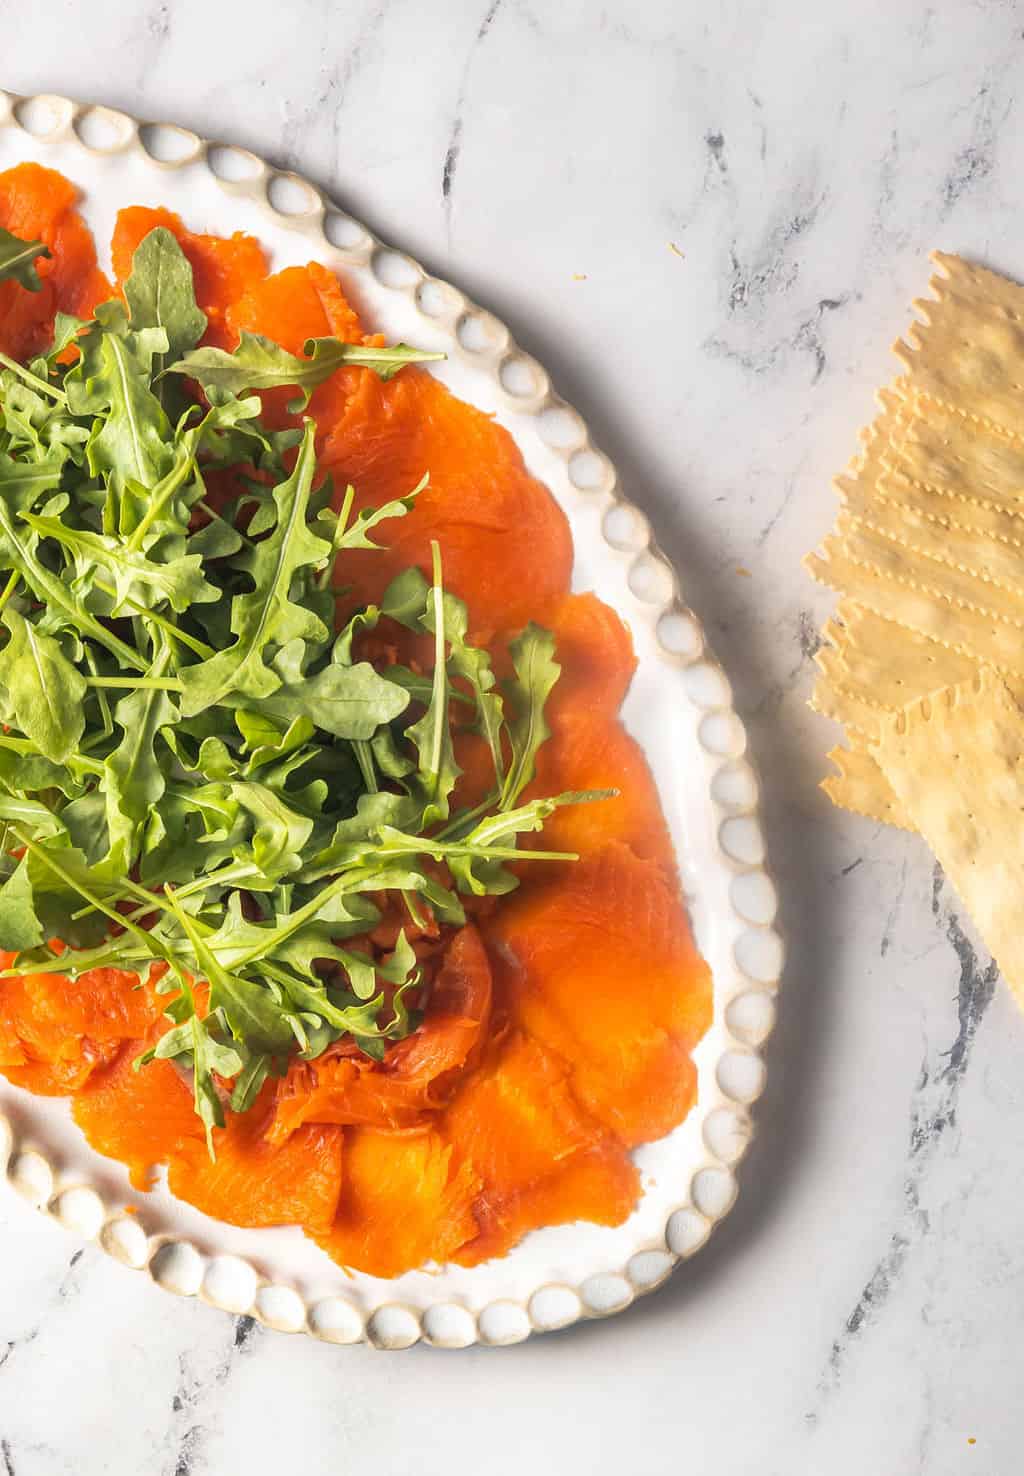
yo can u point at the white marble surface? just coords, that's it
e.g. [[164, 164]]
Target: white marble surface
[[861, 1310]]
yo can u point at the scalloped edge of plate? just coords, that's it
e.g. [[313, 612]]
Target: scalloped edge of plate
[[229, 1282]]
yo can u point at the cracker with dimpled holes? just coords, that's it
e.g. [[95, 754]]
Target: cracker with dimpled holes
[[968, 353], [861, 786], [987, 548], [927, 609], [951, 581], [857, 485], [955, 759], [871, 666], [930, 548], [957, 459]]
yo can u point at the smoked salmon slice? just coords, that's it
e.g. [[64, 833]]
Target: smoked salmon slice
[[255, 1183], [595, 651], [138, 1116], [589, 751], [540, 1157], [600, 965], [291, 306], [419, 1073], [55, 1031], [405, 1201], [38, 204], [506, 543]]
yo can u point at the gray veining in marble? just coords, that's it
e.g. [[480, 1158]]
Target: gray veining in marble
[[708, 221]]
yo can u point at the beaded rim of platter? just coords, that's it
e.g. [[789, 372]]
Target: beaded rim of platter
[[744, 1002]]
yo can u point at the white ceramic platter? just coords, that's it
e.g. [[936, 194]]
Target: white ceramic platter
[[679, 707]]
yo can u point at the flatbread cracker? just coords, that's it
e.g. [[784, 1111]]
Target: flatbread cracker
[[871, 667], [859, 716], [856, 485], [922, 608], [968, 353], [861, 786], [890, 662], [957, 459], [956, 761], [929, 529], [929, 548], [956, 583]]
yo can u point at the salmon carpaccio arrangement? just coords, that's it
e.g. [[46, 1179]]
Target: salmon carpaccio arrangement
[[331, 879]]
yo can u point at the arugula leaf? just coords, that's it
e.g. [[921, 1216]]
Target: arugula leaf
[[438, 771], [249, 1081], [259, 364], [248, 1007], [192, 1043], [473, 665], [19, 550], [40, 689], [180, 582], [406, 598], [19, 924], [267, 742], [66, 328], [18, 259], [536, 672], [131, 435], [267, 613], [343, 534], [279, 835], [348, 701], [160, 294], [134, 782]]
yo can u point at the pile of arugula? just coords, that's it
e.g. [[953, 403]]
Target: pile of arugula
[[195, 769]]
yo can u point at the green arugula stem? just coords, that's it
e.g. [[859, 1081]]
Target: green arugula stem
[[441, 706], [46, 858], [418, 920], [102, 703], [161, 496], [28, 750], [323, 579], [364, 757], [466, 821], [424, 846], [42, 385], [134, 684], [222, 878], [9, 588], [168, 626]]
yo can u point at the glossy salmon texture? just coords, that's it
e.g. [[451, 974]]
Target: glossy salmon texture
[[55, 1032], [405, 1200], [607, 931], [256, 1183], [505, 542], [540, 1157], [141, 1115], [558, 1024], [38, 204]]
